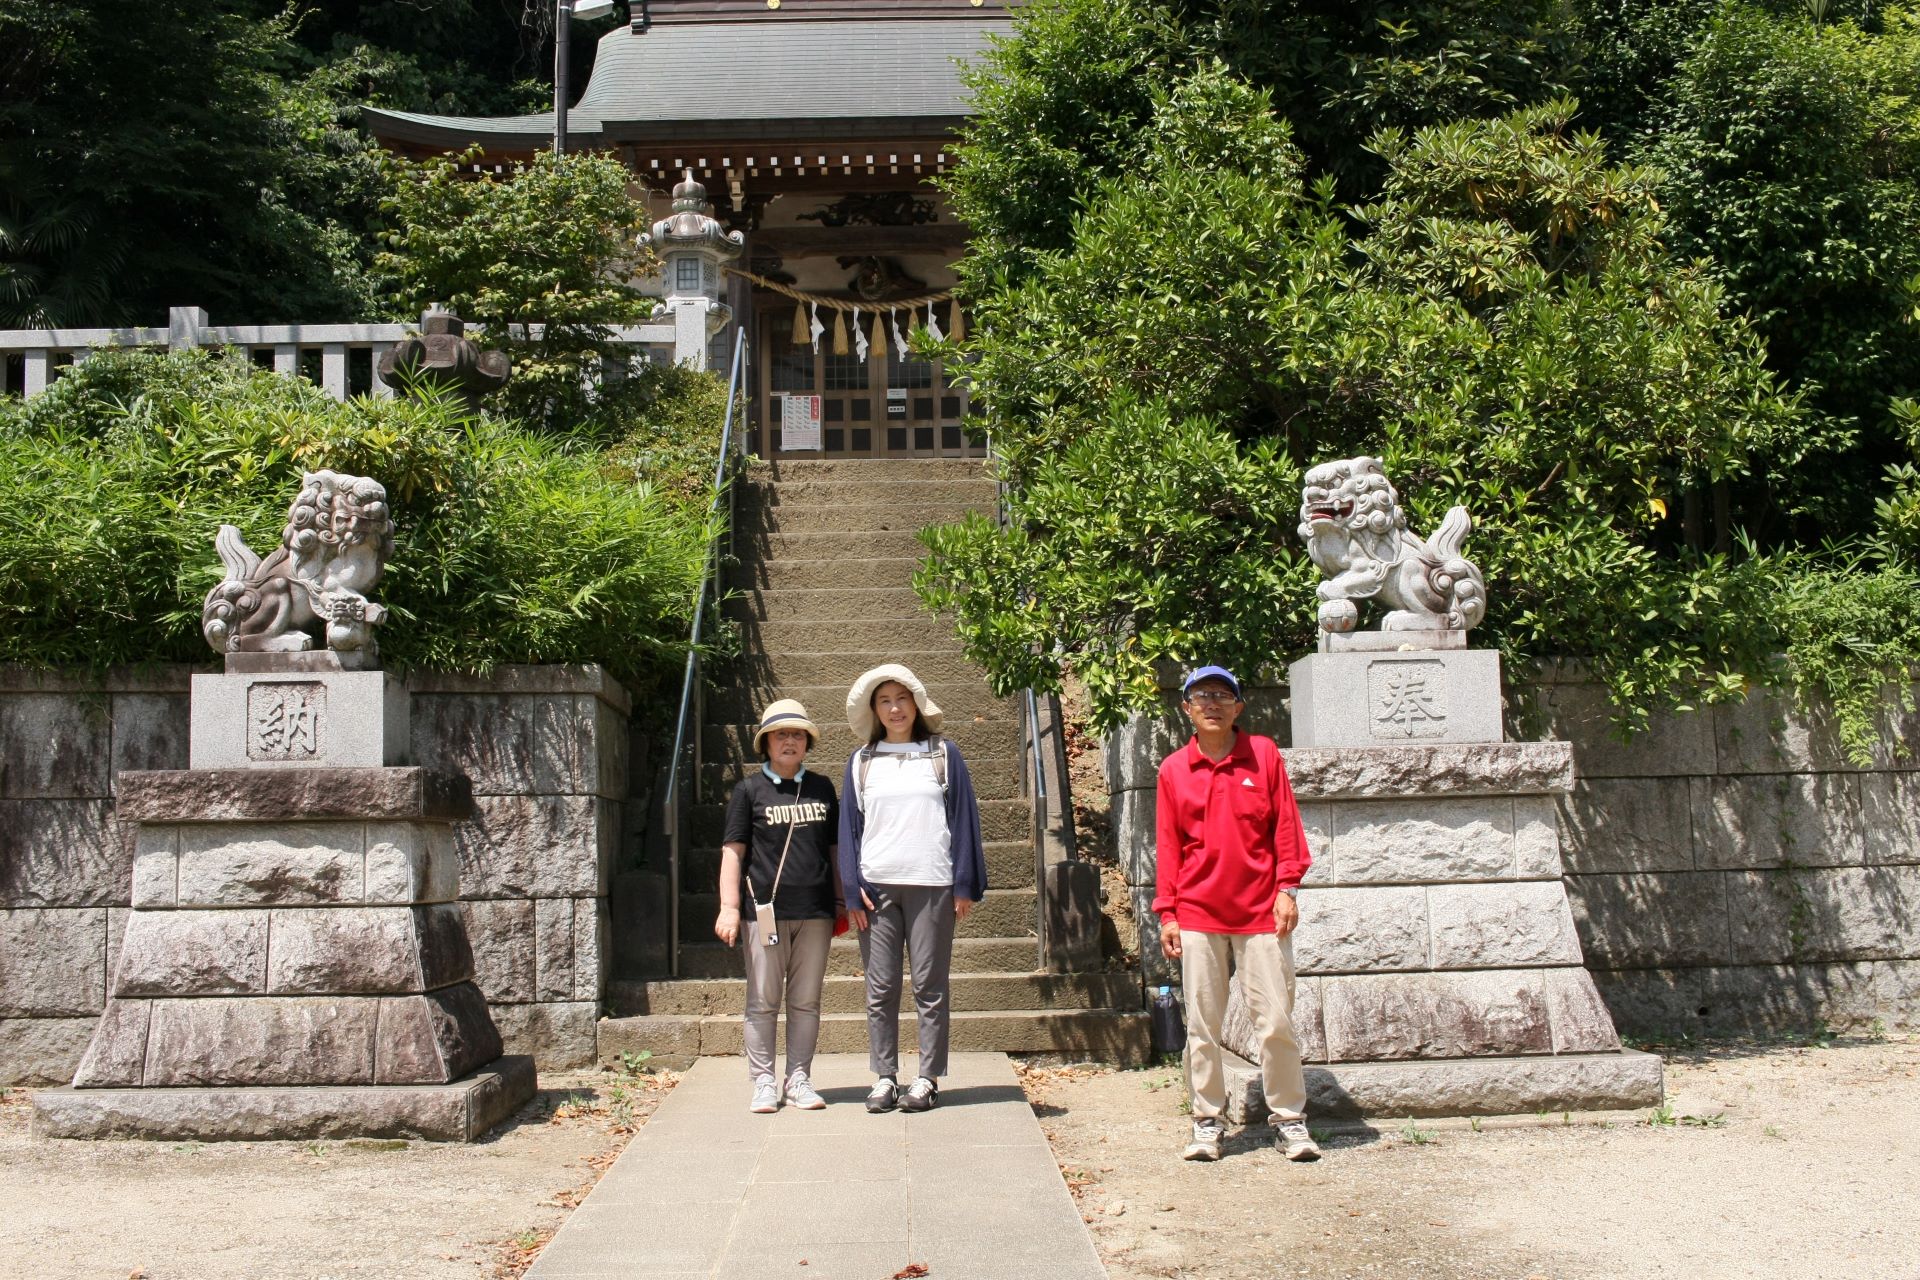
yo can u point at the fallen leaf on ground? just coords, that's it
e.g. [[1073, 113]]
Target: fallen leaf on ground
[[911, 1270]]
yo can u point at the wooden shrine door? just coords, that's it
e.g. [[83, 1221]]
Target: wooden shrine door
[[875, 408]]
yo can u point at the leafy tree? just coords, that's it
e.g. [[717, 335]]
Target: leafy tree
[[141, 151], [1068, 101], [1505, 329], [1790, 151], [541, 260]]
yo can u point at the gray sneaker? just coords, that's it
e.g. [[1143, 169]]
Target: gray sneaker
[[802, 1094], [766, 1096], [1293, 1140], [1206, 1141]]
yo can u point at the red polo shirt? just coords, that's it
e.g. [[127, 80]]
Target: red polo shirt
[[1230, 837]]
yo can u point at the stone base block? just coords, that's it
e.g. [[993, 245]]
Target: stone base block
[[295, 1041], [1362, 699], [42, 1050], [298, 720], [462, 1111], [1465, 1087]]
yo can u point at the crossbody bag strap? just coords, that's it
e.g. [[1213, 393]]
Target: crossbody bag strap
[[779, 870]]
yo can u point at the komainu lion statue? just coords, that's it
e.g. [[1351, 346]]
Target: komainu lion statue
[[1357, 534], [338, 537]]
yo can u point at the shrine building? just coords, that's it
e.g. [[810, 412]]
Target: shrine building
[[816, 130]]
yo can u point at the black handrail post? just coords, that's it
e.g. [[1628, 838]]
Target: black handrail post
[[670, 819]]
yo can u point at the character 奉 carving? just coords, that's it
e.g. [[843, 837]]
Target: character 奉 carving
[[338, 538]]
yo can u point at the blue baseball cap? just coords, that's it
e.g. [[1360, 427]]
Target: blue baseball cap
[[1210, 673]]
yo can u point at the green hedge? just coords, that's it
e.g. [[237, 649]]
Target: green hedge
[[511, 547]]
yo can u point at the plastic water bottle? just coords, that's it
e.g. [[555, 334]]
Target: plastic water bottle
[[1169, 1025]]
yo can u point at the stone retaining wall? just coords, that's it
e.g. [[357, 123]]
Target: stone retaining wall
[[1728, 870], [546, 750]]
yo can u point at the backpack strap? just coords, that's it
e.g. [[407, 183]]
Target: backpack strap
[[860, 778], [936, 749], [938, 746]]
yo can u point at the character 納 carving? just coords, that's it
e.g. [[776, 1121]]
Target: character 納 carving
[[314, 586], [1356, 533]]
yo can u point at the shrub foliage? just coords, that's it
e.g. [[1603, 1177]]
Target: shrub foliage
[[511, 547]]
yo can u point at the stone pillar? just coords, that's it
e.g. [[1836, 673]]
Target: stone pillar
[[39, 367], [295, 963], [1439, 970], [183, 327]]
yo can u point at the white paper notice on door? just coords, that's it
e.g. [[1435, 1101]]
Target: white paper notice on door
[[799, 423]]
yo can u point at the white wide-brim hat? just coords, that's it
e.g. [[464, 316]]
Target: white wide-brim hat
[[785, 714], [860, 717]]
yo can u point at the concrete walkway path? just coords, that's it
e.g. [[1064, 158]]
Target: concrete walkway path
[[969, 1190]]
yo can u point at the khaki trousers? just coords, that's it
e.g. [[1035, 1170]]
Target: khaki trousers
[[1265, 964], [796, 967]]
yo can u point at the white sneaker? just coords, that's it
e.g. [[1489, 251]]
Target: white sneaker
[[1206, 1141], [766, 1096], [1293, 1139], [802, 1094]]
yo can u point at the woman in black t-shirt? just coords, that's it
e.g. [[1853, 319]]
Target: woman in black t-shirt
[[777, 857]]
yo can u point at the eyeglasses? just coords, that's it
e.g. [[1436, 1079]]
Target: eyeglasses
[[1206, 696]]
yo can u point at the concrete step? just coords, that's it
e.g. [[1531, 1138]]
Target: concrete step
[[999, 820], [843, 667], [870, 570], [915, 632], [708, 958], [1003, 913], [757, 515], [877, 490], [744, 699], [980, 740], [786, 470], [1009, 865], [1102, 1035], [725, 997], [870, 545], [994, 778], [760, 604]]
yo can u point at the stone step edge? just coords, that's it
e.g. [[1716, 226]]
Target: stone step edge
[[1622, 1080]]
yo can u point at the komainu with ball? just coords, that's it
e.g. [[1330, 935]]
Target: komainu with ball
[[1357, 534], [338, 538]]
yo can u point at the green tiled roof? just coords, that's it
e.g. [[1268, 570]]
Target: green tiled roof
[[744, 79]]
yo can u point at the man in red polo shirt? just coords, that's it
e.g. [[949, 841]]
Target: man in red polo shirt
[[1231, 854]]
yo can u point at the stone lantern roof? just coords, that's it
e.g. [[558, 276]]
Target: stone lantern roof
[[692, 225]]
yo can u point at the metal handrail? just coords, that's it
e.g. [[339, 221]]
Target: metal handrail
[[670, 803], [1039, 793]]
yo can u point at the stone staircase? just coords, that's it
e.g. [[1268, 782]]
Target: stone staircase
[[827, 551]]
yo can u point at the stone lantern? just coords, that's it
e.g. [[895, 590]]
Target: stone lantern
[[693, 245]]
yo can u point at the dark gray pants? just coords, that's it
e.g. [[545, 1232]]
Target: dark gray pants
[[921, 917]]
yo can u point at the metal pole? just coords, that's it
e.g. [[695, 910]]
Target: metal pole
[[562, 38]]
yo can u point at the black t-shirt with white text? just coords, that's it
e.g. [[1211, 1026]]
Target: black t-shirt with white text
[[759, 815]]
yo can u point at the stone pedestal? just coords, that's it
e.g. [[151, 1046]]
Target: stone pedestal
[[1439, 970], [297, 711], [1364, 696], [295, 964]]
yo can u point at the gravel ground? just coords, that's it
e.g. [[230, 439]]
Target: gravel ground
[[72, 1210], [1772, 1160]]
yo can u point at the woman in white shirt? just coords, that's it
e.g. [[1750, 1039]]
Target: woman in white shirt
[[913, 866]]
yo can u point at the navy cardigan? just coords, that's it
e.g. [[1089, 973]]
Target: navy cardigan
[[963, 828]]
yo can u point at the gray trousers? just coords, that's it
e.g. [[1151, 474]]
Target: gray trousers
[[795, 966], [920, 916]]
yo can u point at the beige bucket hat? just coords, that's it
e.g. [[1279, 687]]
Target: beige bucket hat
[[785, 714], [860, 717]]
